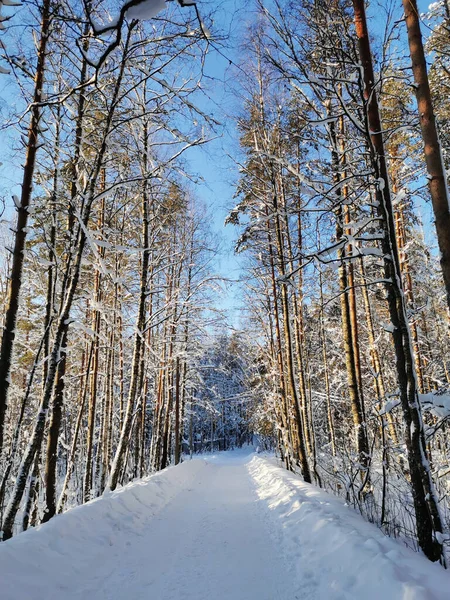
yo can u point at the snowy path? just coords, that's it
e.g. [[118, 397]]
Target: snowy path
[[209, 543], [231, 527]]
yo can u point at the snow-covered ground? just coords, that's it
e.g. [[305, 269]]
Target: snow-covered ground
[[232, 526]]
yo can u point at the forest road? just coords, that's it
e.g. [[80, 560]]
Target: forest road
[[231, 526], [211, 542]]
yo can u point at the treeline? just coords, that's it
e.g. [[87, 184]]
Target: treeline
[[341, 157], [224, 415]]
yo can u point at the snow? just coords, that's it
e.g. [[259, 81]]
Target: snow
[[232, 526], [399, 197], [338, 555], [146, 9], [438, 404], [388, 406]]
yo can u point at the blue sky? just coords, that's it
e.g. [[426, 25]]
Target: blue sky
[[213, 162]]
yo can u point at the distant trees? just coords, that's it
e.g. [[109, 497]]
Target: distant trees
[[220, 416]]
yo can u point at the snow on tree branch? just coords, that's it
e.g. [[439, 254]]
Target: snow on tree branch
[[135, 10]]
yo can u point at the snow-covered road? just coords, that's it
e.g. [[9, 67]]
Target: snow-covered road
[[208, 543], [231, 527]]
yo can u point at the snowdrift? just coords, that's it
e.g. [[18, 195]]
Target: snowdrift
[[47, 562], [335, 552]]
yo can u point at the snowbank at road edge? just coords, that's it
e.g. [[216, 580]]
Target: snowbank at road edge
[[53, 554], [323, 536]]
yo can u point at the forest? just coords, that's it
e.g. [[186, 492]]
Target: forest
[[116, 357]]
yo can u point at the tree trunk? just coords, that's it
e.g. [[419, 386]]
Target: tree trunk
[[96, 327], [71, 460], [18, 254], [289, 350], [297, 305], [177, 412], [31, 499], [53, 435], [278, 350], [433, 156], [138, 337], [330, 418], [362, 444], [428, 519], [375, 356]]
